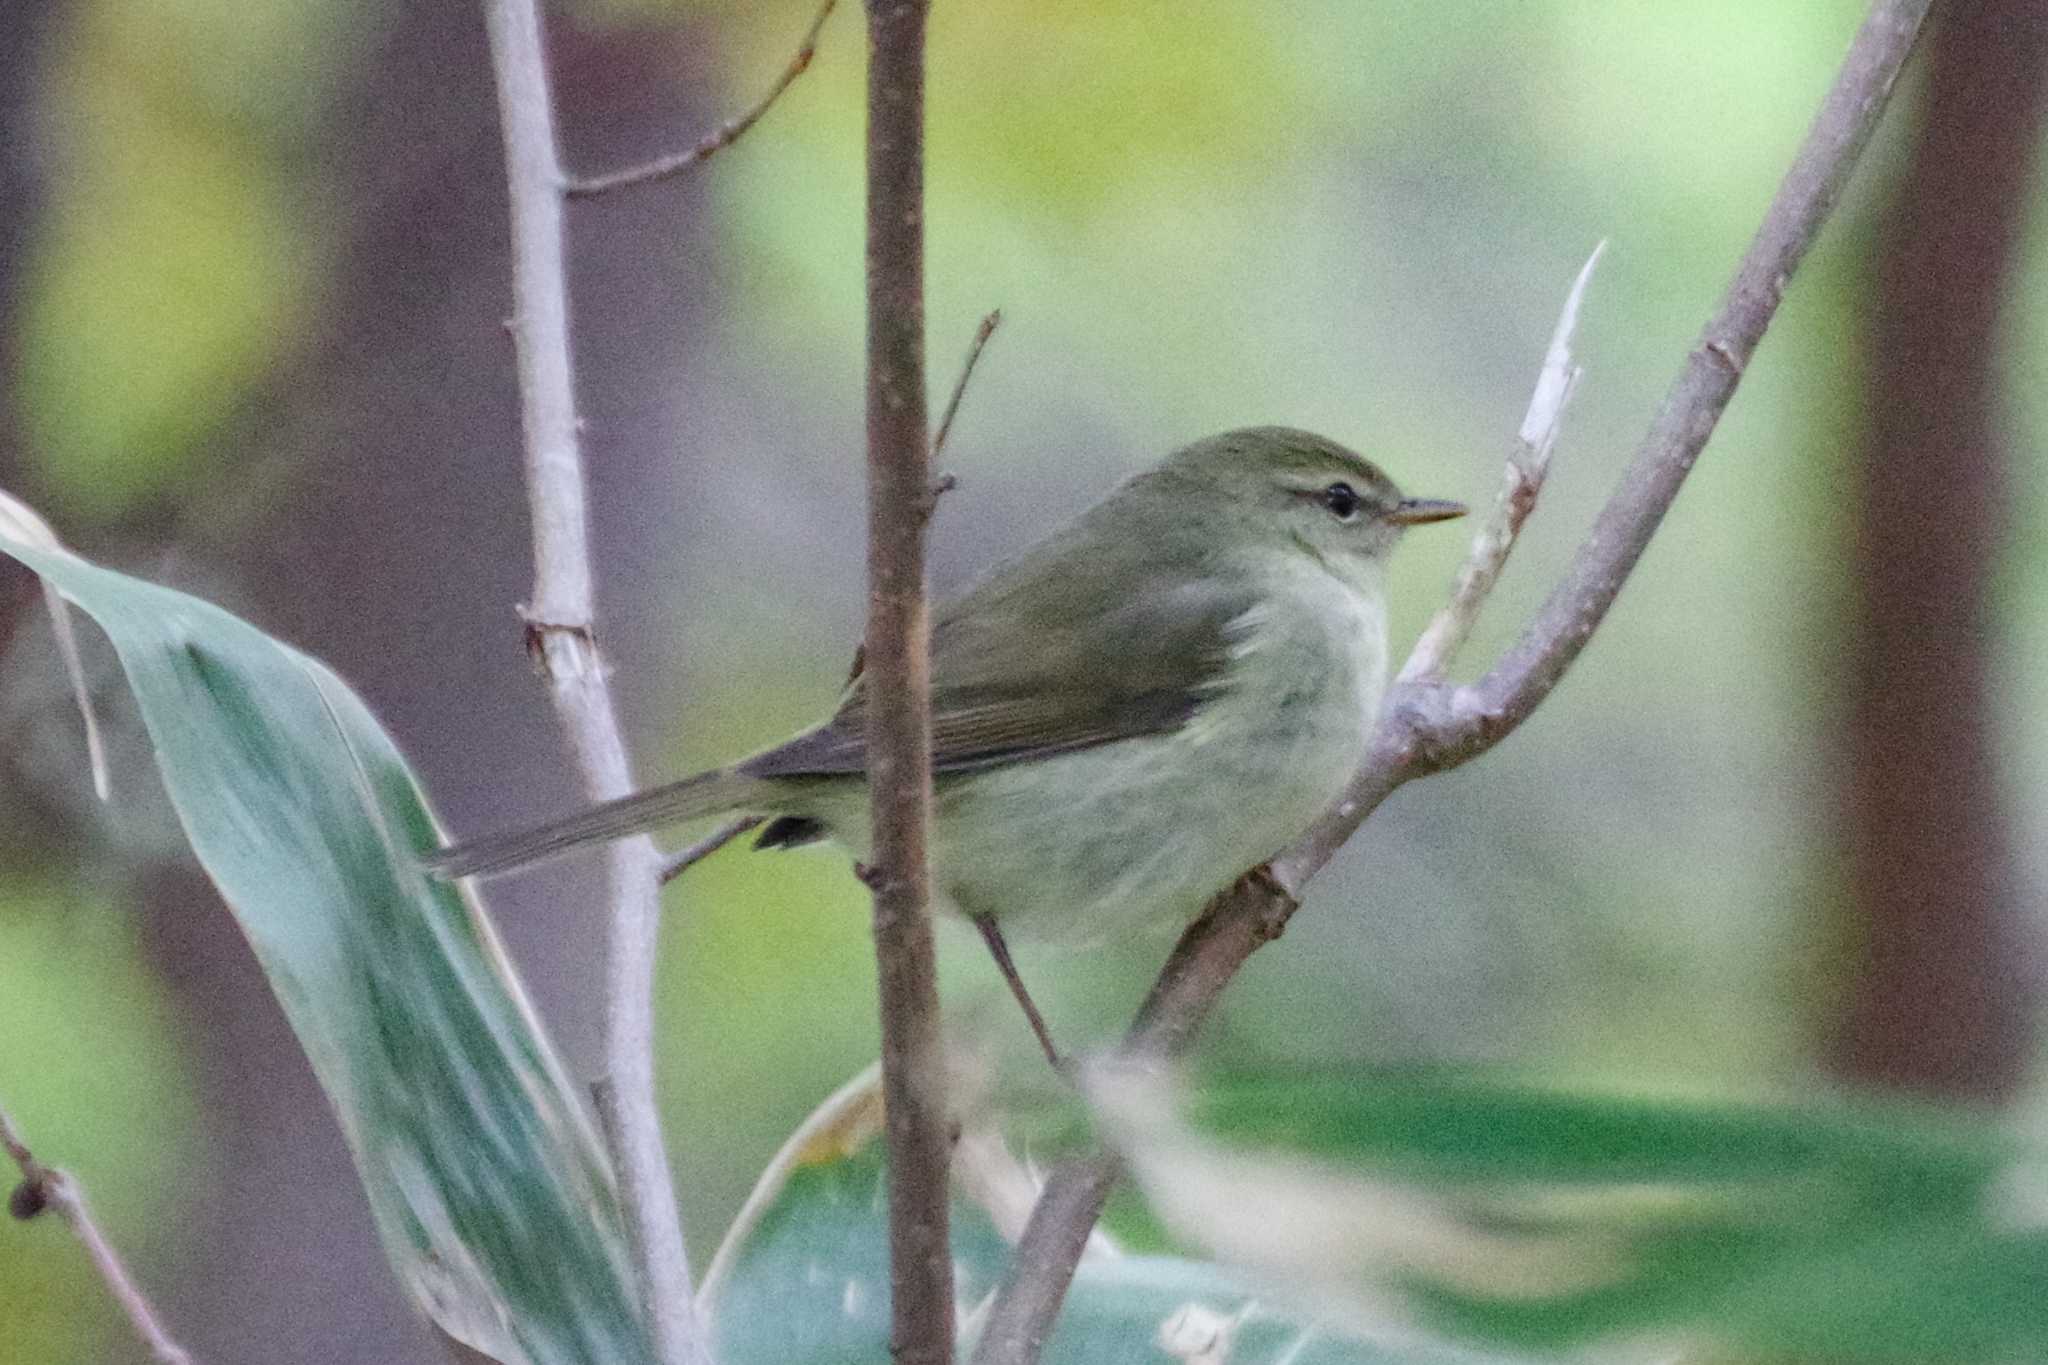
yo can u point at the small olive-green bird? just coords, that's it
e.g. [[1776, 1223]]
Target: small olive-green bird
[[1125, 717]]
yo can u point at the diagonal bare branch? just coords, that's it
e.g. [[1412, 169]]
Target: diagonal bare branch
[[713, 142], [1429, 725], [1528, 464], [683, 859], [989, 322], [45, 1187]]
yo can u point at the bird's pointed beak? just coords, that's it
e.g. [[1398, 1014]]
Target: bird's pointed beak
[[1417, 511]]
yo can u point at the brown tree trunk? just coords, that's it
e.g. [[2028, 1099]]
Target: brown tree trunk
[[1943, 996]]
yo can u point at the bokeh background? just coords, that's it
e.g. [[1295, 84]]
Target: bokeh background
[[1779, 828]]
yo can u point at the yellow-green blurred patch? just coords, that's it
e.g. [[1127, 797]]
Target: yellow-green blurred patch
[[272, 67], [177, 257], [1704, 102], [97, 1080], [768, 997], [161, 290]]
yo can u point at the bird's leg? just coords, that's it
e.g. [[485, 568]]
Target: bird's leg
[[1000, 951]]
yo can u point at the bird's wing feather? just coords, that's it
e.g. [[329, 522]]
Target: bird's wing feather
[[1056, 678]]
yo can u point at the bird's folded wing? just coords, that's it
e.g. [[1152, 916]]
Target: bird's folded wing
[[1054, 677]]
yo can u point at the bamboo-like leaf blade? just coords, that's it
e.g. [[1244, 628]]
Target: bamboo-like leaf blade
[[1525, 1215], [491, 1196]]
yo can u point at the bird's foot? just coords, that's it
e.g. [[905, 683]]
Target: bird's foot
[[1280, 903]]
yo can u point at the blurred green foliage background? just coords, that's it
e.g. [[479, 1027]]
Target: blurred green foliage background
[[251, 336]]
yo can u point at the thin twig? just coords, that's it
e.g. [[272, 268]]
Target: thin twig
[[898, 672], [989, 322], [713, 142], [683, 859], [45, 1187], [1528, 464], [561, 640], [1703, 387], [25, 524], [1429, 726]]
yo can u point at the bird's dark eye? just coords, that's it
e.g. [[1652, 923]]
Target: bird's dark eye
[[1342, 500]]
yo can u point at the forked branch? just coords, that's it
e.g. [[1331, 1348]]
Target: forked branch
[[1528, 464], [1431, 725]]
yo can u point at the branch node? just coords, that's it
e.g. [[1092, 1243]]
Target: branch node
[[1726, 354], [1277, 901], [30, 1197], [538, 630], [46, 1187], [1273, 919], [940, 486]]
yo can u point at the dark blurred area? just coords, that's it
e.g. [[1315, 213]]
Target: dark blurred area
[[1946, 980], [252, 284]]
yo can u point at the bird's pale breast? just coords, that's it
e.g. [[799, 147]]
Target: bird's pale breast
[[1103, 841]]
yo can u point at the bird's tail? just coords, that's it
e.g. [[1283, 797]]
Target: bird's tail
[[709, 793]]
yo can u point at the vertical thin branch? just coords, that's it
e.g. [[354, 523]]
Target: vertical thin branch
[[899, 689], [1428, 726], [559, 634], [45, 1187]]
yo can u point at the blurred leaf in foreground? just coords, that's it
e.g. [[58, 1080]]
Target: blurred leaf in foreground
[[1524, 1215], [489, 1191], [803, 1277]]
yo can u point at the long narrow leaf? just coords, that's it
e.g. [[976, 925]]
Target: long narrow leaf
[[492, 1198]]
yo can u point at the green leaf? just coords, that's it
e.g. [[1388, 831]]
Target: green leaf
[[803, 1275], [490, 1194], [1171, 1308], [803, 1278], [1443, 1122], [1524, 1215]]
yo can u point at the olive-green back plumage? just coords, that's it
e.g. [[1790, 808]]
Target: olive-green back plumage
[[1128, 624], [1034, 660]]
